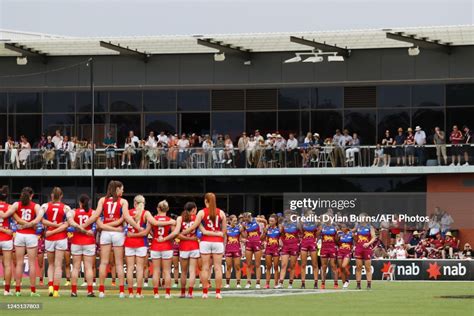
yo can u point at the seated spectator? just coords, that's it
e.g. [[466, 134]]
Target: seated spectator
[[411, 246], [399, 252], [183, 145], [57, 139], [128, 151], [307, 147], [228, 150], [445, 220], [451, 246], [49, 152], [434, 226], [378, 155], [11, 152], [62, 152], [25, 150], [467, 253], [437, 245], [73, 150], [279, 148], [42, 141], [422, 249], [110, 145], [163, 139], [251, 151], [353, 147]]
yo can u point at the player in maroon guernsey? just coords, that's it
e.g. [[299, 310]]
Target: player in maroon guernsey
[[233, 250], [272, 235], [6, 241], [212, 223], [27, 214], [328, 254], [309, 232], [83, 248], [365, 237], [290, 237], [136, 246], [188, 248], [54, 220], [110, 214], [252, 233]]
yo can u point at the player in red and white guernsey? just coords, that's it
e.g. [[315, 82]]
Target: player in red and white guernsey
[[82, 245], [136, 246], [27, 214], [213, 225], [112, 210], [54, 219], [162, 248], [188, 248], [6, 241]]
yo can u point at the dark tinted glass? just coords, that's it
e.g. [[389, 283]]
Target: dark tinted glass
[[294, 98], [428, 119], [198, 123], [125, 101], [327, 97], [162, 100], [63, 122], [289, 122], [392, 120], [263, 121], [3, 103], [25, 102], [427, 95], [160, 122], [194, 100], [84, 129], [3, 130], [28, 125], [83, 101], [58, 102], [460, 117], [363, 123], [459, 94], [325, 123], [122, 124], [231, 123], [393, 96]]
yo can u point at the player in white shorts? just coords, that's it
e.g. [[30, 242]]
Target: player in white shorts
[[6, 240]]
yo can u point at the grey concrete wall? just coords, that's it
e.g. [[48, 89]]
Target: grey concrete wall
[[267, 69]]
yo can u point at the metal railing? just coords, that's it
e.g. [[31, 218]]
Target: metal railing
[[216, 158]]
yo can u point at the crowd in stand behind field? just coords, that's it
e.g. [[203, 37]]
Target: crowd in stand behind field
[[165, 150]]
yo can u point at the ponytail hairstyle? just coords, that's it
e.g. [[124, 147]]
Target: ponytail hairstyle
[[84, 201], [275, 217], [186, 214], [139, 202], [112, 189], [231, 218], [25, 195], [56, 194], [4, 193], [210, 199], [163, 206]]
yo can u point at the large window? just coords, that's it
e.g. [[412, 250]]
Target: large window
[[231, 123], [460, 117], [427, 95], [122, 124], [327, 97], [126, 101], [363, 123], [459, 94], [393, 96], [58, 102], [3, 103], [428, 119], [198, 123], [263, 121], [3, 129], [160, 122], [326, 122], [28, 125], [289, 122], [25, 103], [63, 122], [194, 100], [84, 101], [294, 98], [392, 120], [159, 101]]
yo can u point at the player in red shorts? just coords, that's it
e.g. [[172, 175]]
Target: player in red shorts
[[188, 249], [110, 214], [54, 219], [365, 237], [136, 246], [27, 214], [253, 246], [272, 250], [83, 248], [161, 249], [233, 251], [213, 224], [328, 252], [6, 241], [344, 252], [309, 231], [290, 248]]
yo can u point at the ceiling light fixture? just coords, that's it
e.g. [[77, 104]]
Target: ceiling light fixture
[[219, 57]]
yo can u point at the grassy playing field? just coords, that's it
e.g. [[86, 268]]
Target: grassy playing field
[[386, 298]]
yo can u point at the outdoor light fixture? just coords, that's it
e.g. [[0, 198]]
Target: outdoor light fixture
[[314, 57], [21, 60], [219, 57], [413, 51]]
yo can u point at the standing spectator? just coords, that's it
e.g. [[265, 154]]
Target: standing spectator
[[439, 139], [242, 147], [42, 142], [387, 143], [434, 226], [25, 149], [258, 137], [57, 139], [136, 141], [279, 147], [420, 141], [251, 151], [353, 148], [291, 151], [87, 148], [445, 221], [307, 147], [399, 142], [338, 154], [378, 153], [456, 140], [151, 140], [11, 152], [163, 139], [410, 149], [468, 141], [110, 145], [183, 145], [73, 149], [63, 151]]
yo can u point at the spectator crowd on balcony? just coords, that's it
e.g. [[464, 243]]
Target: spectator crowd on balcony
[[166, 150]]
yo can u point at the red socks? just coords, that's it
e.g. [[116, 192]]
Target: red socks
[[183, 290], [7, 287], [218, 291], [190, 291], [155, 290], [89, 289], [168, 291], [101, 288], [74, 288], [50, 283], [204, 291], [122, 288], [17, 288], [130, 290], [33, 289], [56, 287], [139, 290]]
